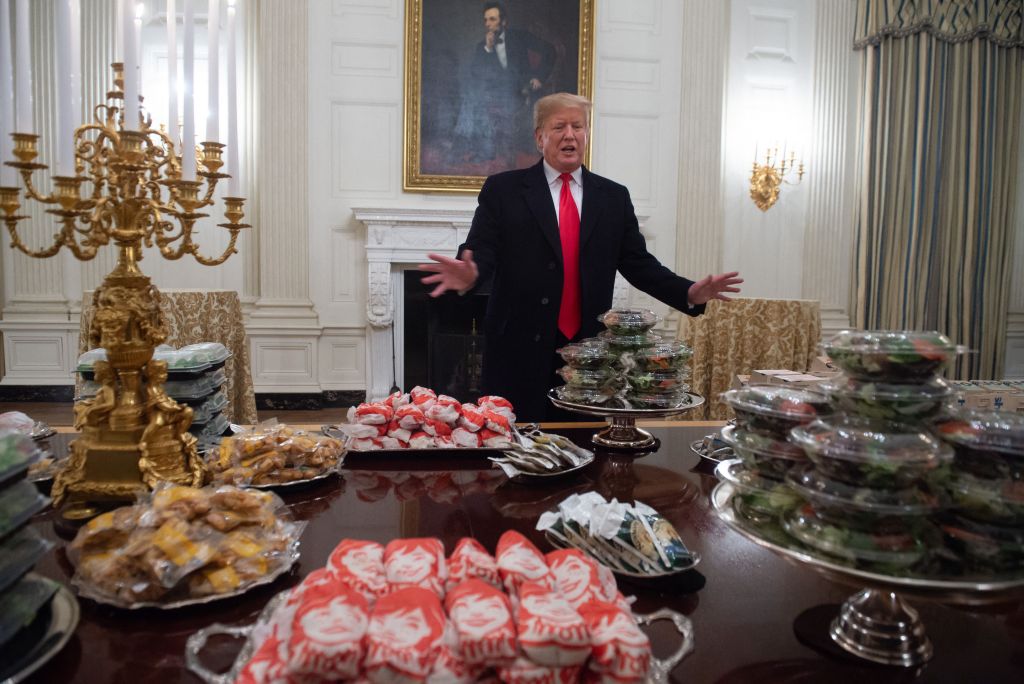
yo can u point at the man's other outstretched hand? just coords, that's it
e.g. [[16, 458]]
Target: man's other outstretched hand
[[711, 287], [451, 274]]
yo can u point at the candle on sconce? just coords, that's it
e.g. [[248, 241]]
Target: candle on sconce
[[233, 156], [172, 70], [76, 61], [7, 177], [188, 135], [213, 59], [65, 127], [140, 11], [131, 73], [23, 68]]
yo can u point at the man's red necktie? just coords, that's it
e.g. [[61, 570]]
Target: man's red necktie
[[569, 229]]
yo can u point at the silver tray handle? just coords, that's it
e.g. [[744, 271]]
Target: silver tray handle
[[662, 668], [197, 642]]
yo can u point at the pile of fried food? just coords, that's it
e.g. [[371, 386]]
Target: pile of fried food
[[184, 543], [274, 454]]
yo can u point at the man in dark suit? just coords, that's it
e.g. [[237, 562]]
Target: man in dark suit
[[508, 71], [551, 268]]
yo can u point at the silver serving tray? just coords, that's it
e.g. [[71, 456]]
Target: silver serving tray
[[725, 453], [523, 475], [558, 543], [661, 668], [279, 486], [695, 400], [88, 591], [64, 616]]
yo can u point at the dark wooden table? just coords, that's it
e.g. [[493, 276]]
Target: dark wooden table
[[757, 618]]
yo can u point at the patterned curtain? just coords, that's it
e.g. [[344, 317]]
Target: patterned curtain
[[941, 118]]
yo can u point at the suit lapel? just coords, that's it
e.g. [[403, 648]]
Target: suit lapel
[[538, 198], [591, 206]]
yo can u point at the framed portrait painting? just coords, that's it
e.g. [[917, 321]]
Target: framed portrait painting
[[473, 71]]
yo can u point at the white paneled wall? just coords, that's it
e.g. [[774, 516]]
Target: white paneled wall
[[684, 91]]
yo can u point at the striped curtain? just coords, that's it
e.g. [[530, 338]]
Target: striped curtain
[[942, 85]]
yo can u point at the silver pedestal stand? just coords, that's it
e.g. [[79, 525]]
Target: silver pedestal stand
[[875, 623], [622, 432]]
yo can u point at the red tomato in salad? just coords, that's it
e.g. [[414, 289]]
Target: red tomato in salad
[[928, 350], [798, 408], [958, 427]]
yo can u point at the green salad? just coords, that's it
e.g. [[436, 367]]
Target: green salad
[[887, 400], [775, 409], [890, 355], [629, 321]]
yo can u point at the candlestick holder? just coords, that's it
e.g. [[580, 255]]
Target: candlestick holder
[[133, 434]]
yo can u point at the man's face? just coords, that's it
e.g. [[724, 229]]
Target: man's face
[[492, 20], [562, 138]]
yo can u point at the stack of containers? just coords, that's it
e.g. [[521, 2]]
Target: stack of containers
[[22, 594], [764, 416], [873, 488], [628, 362], [195, 376], [985, 528]]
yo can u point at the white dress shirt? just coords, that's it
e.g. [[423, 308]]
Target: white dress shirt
[[555, 185]]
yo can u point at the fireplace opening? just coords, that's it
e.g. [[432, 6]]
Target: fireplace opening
[[443, 340]]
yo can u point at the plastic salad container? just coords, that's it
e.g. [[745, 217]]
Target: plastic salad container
[[888, 400], [629, 321], [584, 395], [770, 455], [665, 355], [757, 498], [586, 377], [987, 500], [659, 381], [869, 453], [987, 444], [890, 355], [589, 354], [657, 400], [622, 344], [775, 409], [986, 548]]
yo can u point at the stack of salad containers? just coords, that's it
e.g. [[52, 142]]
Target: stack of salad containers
[[764, 416], [985, 527], [195, 376], [22, 594], [626, 365]]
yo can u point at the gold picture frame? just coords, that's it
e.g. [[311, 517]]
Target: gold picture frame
[[468, 105]]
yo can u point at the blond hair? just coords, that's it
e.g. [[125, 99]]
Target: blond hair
[[549, 104]]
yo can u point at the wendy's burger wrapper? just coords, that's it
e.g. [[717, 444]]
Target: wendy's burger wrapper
[[561, 620], [423, 419], [632, 538]]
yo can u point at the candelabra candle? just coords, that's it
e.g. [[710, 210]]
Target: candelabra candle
[[133, 435]]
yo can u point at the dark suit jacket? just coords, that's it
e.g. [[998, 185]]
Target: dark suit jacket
[[510, 85], [516, 245]]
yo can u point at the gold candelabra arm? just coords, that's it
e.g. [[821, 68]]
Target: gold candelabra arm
[[228, 251], [12, 227], [234, 213]]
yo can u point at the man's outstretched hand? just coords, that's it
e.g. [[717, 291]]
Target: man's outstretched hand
[[451, 274], [711, 287]]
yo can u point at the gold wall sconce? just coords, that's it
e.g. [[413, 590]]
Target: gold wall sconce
[[766, 179]]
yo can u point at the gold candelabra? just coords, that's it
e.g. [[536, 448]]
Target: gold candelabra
[[133, 434], [766, 179]]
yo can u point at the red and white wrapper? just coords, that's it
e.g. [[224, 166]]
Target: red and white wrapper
[[372, 414], [498, 405], [327, 634], [437, 428], [525, 671], [410, 417], [396, 430], [449, 666], [268, 664], [580, 579], [444, 441], [443, 412], [359, 565], [551, 632], [360, 431], [421, 440], [494, 440], [465, 439], [520, 561], [482, 618], [404, 636], [621, 650], [393, 443], [423, 397], [472, 417], [366, 445], [470, 560], [396, 400], [497, 422], [416, 562]]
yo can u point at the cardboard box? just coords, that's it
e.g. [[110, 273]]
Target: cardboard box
[[822, 364], [803, 380], [971, 396], [768, 377], [739, 381]]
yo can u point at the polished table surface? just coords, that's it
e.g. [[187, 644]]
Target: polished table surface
[[756, 617]]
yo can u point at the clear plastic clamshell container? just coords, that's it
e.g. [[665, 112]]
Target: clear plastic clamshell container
[[623, 344], [629, 321], [888, 400], [890, 355], [993, 501], [870, 453], [658, 400], [589, 355], [658, 382], [18, 554], [18, 503], [664, 355], [988, 444], [759, 499], [988, 549], [775, 409], [209, 409], [768, 454], [586, 377], [17, 453], [584, 395]]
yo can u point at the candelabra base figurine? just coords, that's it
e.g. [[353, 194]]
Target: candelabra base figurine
[[133, 435]]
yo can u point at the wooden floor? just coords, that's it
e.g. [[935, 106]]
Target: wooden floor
[[59, 414]]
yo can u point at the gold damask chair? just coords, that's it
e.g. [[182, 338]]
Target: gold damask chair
[[743, 335], [203, 316]]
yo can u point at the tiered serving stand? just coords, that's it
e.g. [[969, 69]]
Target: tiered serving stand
[[875, 623], [622, 432]]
